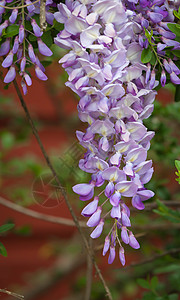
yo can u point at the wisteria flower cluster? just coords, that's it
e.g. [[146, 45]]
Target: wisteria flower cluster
[[106, 39], [17, 25], [153, 19]]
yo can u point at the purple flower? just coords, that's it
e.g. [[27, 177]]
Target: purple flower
[[83, 189], [36, 28], [124, 235], [11, 74], [40, 74], [27, 79], [24, 87], [19, 52], [43, 48], [7, 62], [155, 17], [137, 203], [23, 64], [21, 34], [89, 35], [31, 53], [152, 80], [16, 45], [89, 209], [5, 47], [114, 199], [13, 16], [106, 245], [167, 66], [125, 219], [109, 189], [116, 212], [122, 256], [126, 188], [112, 255], [113, 174], [2, 9], [98, 230], [174, 78], [115, 89], [30, 6], [95, 218], [3, 26], [133, 242], [173, 67]]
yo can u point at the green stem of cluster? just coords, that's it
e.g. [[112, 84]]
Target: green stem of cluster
[[156, 56], [23, 22]]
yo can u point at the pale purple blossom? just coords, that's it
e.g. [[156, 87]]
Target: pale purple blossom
[[11, 74], [13, 16], [5, 47], [106, 39]]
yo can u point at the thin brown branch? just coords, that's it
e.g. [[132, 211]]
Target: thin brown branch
[[85, 242], [154, 257], [39, 216], [151, 206], [157, 226], [12, 294], [68, 222], [89, 274]]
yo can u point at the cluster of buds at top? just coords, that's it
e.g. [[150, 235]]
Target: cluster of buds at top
[[105, 70], [16, 49], [152, 18]]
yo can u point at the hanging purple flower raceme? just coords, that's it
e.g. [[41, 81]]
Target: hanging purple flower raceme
[[18, 49], [152, 18], [105, 70]]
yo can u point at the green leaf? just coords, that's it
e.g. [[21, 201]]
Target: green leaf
[[173, 297], [146, 55], [23, 230], [32, 38], [153, 59], [177, 15], [47, 38], [162, 206], [154, 282], [177, 164], [6, 227], [3, 251], [148, 34], [7, 140], [177, 94], [58, 26], [143, 283], [168, 269], [12, 30], [175, 28], [150, 296], [176, 52]]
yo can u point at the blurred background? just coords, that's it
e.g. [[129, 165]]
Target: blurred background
[[45, 260]]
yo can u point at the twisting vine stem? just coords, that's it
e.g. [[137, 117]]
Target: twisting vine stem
[[19, 7], [43, 23], [85, 242]]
